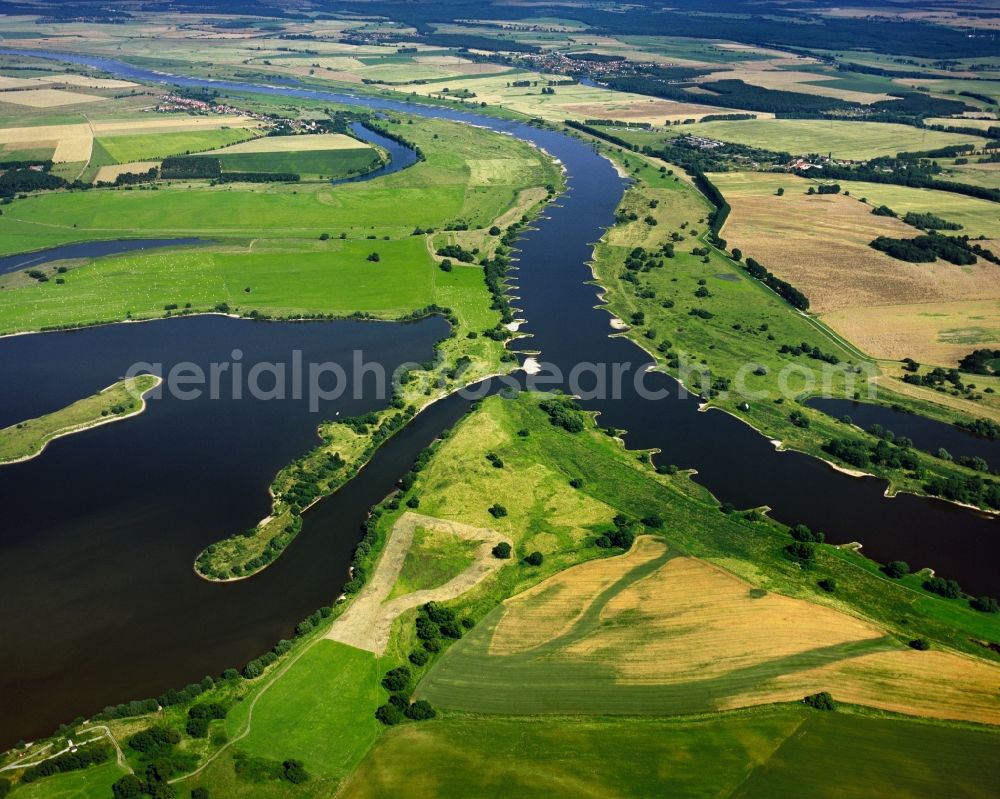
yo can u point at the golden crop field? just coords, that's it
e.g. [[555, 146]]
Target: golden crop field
[[292, 144], [888, 308], [647, 621], [939, 332], [46, 98]]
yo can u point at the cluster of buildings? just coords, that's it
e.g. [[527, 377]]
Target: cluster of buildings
[[173, 103], [561, 64]]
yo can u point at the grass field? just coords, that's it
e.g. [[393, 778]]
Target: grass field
[[433, 559], [92, 783], [853, 140], [338, 278], [785, 752], [153, 146], [321, 711], [27, 439], [331, 155]]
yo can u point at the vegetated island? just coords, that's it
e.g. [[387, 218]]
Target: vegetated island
[[26, 440]]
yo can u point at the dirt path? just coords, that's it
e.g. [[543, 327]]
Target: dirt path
[[368, 622]]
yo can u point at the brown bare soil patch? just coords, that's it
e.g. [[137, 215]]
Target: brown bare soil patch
[[367, 623]]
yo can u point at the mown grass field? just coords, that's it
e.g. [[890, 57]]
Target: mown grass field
[[329, 163], [91, 783], [152, 146], [785, 752], [853, 140], [434, 558]]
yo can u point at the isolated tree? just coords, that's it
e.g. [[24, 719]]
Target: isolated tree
[[820, 701], [502, 550], [896, 569], [374, 257], [534, 559]]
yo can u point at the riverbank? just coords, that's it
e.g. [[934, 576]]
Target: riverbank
[[116, 403]]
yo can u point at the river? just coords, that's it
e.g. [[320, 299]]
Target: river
[[140, 639]]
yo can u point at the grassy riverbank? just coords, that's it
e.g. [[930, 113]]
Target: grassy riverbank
[[327, 692], [117, 402], [731, 339]]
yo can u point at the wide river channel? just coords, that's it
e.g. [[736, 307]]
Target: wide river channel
[[99, 533]]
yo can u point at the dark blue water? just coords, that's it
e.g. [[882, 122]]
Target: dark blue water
[[400, 156], [105, 653], [88, 249], [929, 435]]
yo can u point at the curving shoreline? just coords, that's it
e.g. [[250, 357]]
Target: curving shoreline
[[151, 383]]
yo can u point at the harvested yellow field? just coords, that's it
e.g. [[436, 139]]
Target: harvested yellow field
[[46, 98], [656, 112], [819, 244], [72, 142], [552, 607], [162, 123], [691, 621], [89, 82], [15, 83], [42, 133], [938, 333], [933, 684], [687, 633], [293, 144], [963, 122], [71, 149], [765, 75], [109, 173]]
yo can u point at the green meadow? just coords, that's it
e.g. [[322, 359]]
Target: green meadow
[[772, 754], [153, 146], [331, 163], [742, 323], [433, 559]]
